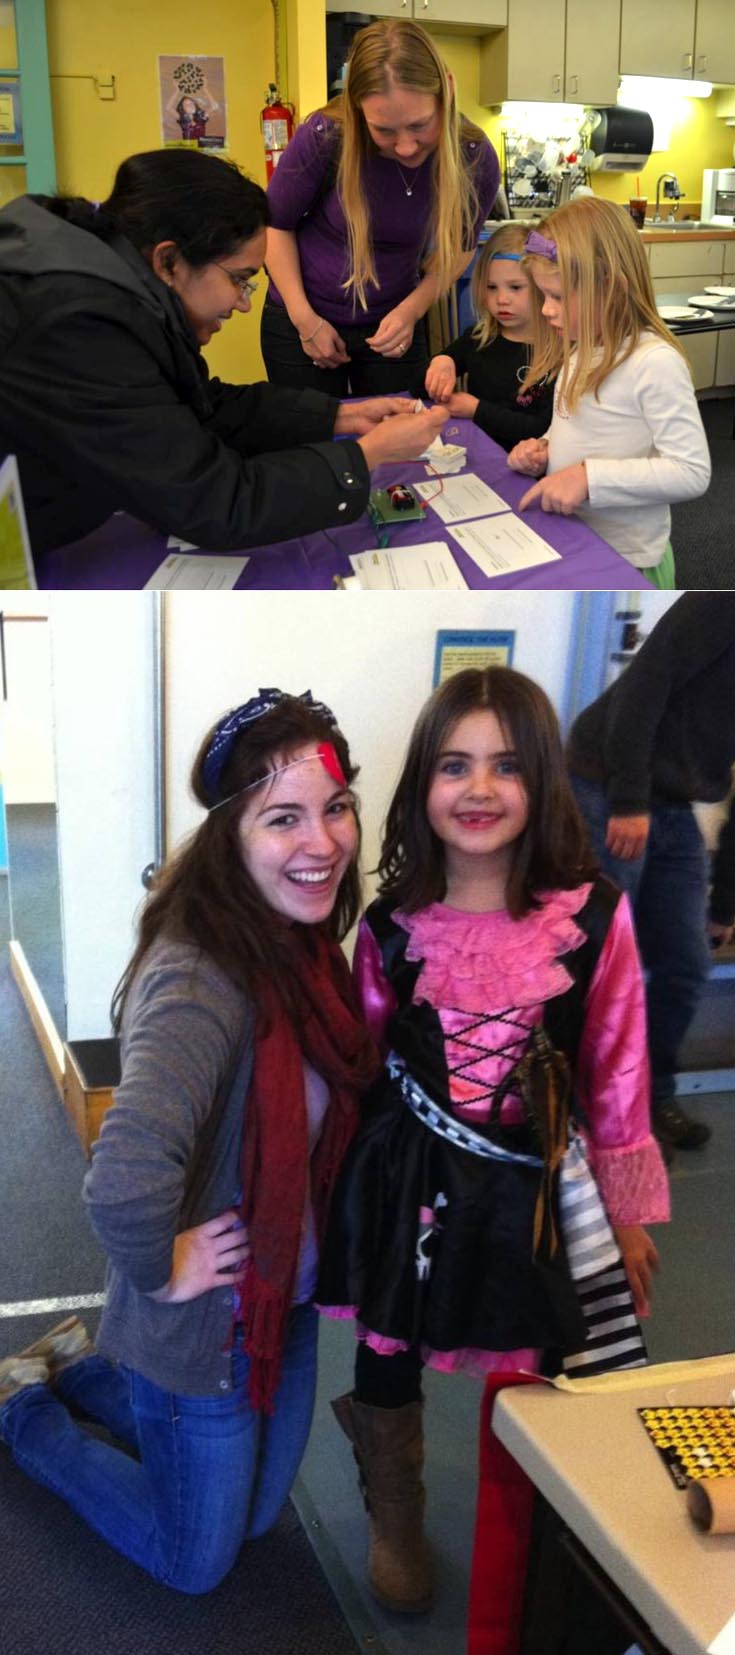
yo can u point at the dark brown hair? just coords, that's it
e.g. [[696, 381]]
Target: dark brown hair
[[552, 852], [204, 895]]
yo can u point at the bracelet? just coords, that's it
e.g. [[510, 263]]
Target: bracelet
[[307, 338]]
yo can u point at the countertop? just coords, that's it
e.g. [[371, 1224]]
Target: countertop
[[660, 233]]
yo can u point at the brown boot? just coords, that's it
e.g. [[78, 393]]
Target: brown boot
[[388, 1445]]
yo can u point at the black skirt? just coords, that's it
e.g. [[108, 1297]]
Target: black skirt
[[433, 1244]]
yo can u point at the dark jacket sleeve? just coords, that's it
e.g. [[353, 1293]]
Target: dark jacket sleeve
[[508, 424], [110, 414]]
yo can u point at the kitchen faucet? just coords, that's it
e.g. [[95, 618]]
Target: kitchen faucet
[[674, 194]]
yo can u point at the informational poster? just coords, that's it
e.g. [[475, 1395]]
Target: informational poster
[[457, 650], [10, 122], [16, 565], [193, 105]]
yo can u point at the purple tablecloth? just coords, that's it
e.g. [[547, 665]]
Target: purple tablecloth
[[123, 553]]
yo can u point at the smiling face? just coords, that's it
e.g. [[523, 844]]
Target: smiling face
[[210, 293], [298, 835], [477, 804], [508, 298], [405, 126], [556, 304]]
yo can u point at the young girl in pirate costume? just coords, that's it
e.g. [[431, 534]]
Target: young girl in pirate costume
[[242, 1060], [494, 969]]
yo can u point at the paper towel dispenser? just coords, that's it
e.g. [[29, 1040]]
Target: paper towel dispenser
[[621, 140]]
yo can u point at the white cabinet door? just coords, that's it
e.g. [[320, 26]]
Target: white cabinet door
[[475, 14], [714, 41], [592, 53], [508, 69], [726, 358], [699, 260], [657, 37], [381, 8]]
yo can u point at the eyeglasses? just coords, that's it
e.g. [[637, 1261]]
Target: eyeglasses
[[245, 287]]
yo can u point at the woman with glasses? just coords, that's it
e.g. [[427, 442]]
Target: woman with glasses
[[105, 397]]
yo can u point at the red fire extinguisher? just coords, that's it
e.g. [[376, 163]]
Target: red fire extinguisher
[[277, 124]]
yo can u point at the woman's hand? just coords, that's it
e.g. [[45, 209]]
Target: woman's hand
[[626, 836], [323, 344], [441, 378], [530, 456], [210, 1255], [562, 492], [462, 405], [394, 333], [354, 419], [640, 1259], [404, 438]]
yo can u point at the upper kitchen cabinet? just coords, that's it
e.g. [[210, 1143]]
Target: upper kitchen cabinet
[[571, 62], [693, 39], [475, 16]]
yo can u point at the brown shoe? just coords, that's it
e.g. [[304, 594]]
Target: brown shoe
[[388, 1446], [16, 1372], [68, 1342]]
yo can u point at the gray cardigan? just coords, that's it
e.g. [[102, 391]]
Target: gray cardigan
[[167, 1158]]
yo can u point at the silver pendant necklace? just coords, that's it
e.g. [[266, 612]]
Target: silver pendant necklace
[[407, 187]]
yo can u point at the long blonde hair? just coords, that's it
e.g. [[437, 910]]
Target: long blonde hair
[[510, 238], [388, 53], [600, 258]]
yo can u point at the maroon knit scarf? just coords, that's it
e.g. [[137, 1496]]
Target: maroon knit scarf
[[328, 1033]]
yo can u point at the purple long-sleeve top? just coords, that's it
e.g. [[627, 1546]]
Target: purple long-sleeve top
[[303, 198]]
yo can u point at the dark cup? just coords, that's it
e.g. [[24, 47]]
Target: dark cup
[[637, 209]]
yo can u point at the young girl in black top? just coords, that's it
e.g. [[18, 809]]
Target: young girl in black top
[[495, 351]]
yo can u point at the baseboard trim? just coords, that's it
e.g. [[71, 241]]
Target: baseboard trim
[[43, 1023]]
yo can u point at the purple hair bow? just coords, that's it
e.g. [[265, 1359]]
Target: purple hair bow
[[541, 246]]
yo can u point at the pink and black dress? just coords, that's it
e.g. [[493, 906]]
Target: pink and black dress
[[430, 1241]]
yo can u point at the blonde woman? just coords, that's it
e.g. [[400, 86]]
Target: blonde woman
[[626, 438], [495, 351], [375, 209]]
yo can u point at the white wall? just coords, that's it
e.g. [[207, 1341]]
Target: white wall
[[103, 709], [370, 659], [27, 749]]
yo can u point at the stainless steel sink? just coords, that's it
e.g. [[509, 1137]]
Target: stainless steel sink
[[684, 224]]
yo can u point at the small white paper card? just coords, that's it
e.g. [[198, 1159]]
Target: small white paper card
[[408, 568], [724, 1643], [461, 497], [181, 573], [500, 545], [175, 544]]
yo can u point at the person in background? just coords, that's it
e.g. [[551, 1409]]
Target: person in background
[[242, 1059], [626, 438], [662, 735], [496, 972], [376, 207], [105, 396], [494, 352]]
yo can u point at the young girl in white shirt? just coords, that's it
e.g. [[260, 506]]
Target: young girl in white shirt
[[626, 437]]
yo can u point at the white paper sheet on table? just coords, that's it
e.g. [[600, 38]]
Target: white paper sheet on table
[[724, 1643], [181, 572], [461, 497], [500, 545], [408, 568]]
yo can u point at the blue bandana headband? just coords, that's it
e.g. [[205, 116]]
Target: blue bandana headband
[[515, 257], [229, 727], [541, 246]]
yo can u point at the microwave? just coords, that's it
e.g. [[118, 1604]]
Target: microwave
[[718, 196]]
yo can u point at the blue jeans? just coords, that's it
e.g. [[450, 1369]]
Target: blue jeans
[[208, 1474], [668, 890]]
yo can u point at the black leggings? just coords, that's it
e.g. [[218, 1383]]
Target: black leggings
[[365, 375], [387, 1381]]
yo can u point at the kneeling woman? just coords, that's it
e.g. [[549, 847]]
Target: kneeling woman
[[242, 1059], [105, 397]]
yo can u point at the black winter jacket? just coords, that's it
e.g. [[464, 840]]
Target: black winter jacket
[[107, 403]]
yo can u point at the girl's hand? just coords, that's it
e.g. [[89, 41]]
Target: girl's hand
[[404, 438], [530, 456], [462, 405], [626, 836], [441, 378], [394, 334], [562, 492], [355, 418], [210, 1255], [325, 346], [640, 1259]]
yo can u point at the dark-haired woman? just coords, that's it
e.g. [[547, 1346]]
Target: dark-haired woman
[[467, 1229], [105, 397], [242, 1060]]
